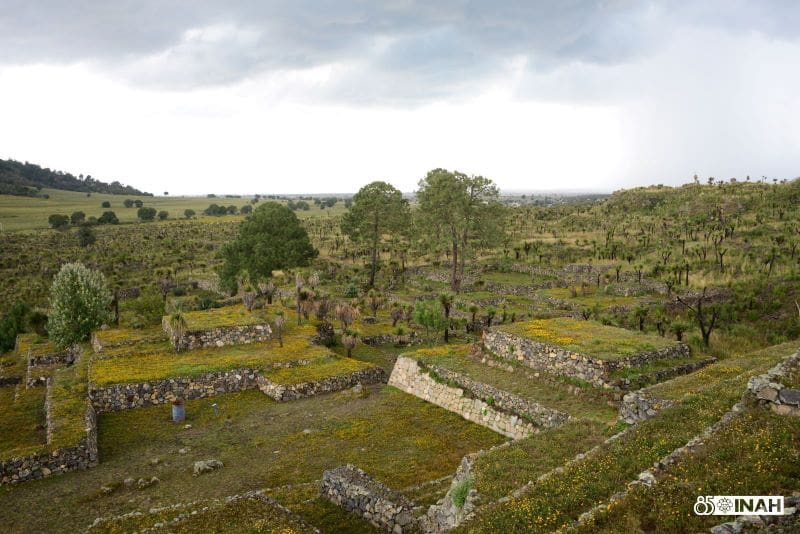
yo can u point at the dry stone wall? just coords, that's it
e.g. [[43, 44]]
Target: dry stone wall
[[219, 337], [768, 390], [640, 405], [408, 376], [357, 492], [54, 461], [126, 396], [289, 392], [502, 400], [559, 361]]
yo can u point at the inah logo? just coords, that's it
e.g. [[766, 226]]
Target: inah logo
[[738, 505]]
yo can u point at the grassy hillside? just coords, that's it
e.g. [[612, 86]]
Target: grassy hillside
[[30, 213]]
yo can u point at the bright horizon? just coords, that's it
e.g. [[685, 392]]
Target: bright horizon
[[303, 98]]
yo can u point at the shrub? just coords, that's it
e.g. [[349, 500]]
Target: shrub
[[77, 217], [128, 203], [86, 236], [148, 308], [188, 213], [247, 209], [146, 214], [108, 217], [105, 204], [79, 303], [163, 215], [12, 324], [57, 221], [138, 203]]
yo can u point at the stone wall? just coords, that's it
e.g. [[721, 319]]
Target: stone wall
[[219, 337], [639, 406], [408, 376], [289, 392], [559, 361], [661, 375], [48, 462], [502, 400], [125, 396], [447, 513], [768, 390], [63, 356], [357, 492]]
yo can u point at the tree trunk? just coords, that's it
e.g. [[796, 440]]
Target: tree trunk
[[454, 282]]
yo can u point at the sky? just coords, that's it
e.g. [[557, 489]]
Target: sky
[[295, 96]]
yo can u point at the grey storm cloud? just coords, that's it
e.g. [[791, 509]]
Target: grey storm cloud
[[405, 48]]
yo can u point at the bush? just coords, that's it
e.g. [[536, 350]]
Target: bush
[[247, 209], [147, 309], [146, 214], [79, 303], [86, 236], [162, 215], [12, 324], [128, 203], [105, 204], [138, 203], [58, 222], [108, 217], [188, 213], [77, 217]]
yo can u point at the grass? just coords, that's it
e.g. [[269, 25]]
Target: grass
[[21, 421], [558, 500], [652, 367], [320, 369], [499, 472], [383, 356], [591, 299], [753, 363], [34, 344], [515, 278], [757, 454], [519, 382], [397, 438], [223, 317], [69, 403], [587, 337], [129, 336], [28, 213], [159, 365], [306, 502]]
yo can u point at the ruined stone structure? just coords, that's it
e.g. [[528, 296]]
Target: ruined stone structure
[[288, 392], [218, 337], [357, 492], [559, 361], [412, 378], [768, 390]]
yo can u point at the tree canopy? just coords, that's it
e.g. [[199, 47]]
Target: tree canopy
[[377, 209], [79, 303], [271, 238], [461, 211]]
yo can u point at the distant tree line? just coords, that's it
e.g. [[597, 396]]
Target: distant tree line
[[27, 179]]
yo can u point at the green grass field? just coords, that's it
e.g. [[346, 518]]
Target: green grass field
[[29, 213]]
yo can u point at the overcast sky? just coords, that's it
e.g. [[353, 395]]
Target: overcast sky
[[299, 96]]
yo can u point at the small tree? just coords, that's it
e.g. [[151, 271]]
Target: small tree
[[108, 217], [446, 300], [396, 313], [146, 214], [279, 323], [138, 203], [349, 341], [247, 209], [177, 323], [58, 221], [429, 316], [375, 301], [678, 328], [77, 217], [128, 203], [188, 213], [79, 303], [249, 298], [163, 215], [86, 236], [267, 289], [346, 315], [105, 204], [705, 314]]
